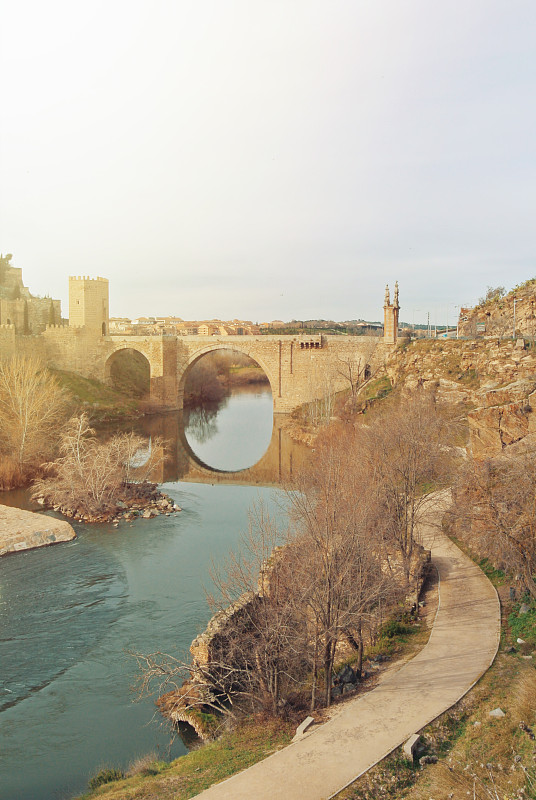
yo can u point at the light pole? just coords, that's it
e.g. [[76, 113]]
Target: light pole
[[514, 331], [457, 322]]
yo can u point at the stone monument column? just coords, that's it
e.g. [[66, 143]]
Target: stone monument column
[[390, 316]]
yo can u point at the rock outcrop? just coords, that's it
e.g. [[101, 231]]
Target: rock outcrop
[[24, 530], [495, 316], [493, 381]]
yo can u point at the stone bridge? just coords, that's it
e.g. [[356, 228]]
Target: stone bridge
[[299, 368]]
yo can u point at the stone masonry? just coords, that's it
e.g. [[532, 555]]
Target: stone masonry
[[300, 369]]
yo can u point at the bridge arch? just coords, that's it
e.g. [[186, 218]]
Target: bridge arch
[[214, 347], [129, 368]]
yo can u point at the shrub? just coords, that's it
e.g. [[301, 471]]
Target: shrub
[[107, 775], [395, 628]]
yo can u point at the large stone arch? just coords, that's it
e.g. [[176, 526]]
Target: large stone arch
[[195, 355]]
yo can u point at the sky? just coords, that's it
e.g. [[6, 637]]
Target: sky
[[270, 159]]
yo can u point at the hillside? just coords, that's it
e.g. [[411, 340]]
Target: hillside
[[494, 316]]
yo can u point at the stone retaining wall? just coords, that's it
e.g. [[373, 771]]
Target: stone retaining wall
[[24, 530]]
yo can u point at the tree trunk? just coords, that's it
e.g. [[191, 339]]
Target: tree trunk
[[329, 655], [315, 672], [528, 580], [359, 668]]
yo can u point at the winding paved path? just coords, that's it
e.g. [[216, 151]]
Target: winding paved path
[[463, 643]]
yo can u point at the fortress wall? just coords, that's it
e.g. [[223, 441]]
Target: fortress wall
[[74, 349], [7, 341], [40, 313], [12, 313], [12, 344]]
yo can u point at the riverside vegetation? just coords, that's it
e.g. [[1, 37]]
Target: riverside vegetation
[[476, 755], [46, 437], [490, 759]]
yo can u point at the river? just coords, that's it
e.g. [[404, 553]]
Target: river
[[70, 614]]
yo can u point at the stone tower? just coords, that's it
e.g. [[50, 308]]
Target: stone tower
[[88, 304], [390, 317]]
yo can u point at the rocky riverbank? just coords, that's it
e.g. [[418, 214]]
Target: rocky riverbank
[[25, 530], [143, 500]]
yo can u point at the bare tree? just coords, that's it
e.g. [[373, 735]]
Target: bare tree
[[355, 368], [90, 475], [497, 502], [406, 453], [252, 655], [321, 391], [266, 641], [32, 408], [338, 561]]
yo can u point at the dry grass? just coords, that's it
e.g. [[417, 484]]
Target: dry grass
[[492, 758], [190, 774], [11, 475], [144, 765], [523, 702]]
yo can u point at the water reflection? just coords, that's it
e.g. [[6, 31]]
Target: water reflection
[[237, 441], [201, 422]]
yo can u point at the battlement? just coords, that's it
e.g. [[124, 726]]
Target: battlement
[[8, 326], [56, 327], [87, 278]]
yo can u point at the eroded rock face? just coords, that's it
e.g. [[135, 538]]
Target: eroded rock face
[[205, 648], [494, 380], [492, 429], [186, 705]]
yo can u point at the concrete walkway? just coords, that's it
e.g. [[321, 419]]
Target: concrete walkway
[[462, 646]]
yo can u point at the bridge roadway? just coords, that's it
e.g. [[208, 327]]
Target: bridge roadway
[[463, 644]]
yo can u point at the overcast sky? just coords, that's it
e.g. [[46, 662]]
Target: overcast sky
[[267, 159]]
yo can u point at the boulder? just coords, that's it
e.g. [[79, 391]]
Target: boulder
[[347, 675]]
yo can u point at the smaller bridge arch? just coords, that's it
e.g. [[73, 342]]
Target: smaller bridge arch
[[128, 369], [160, 352]]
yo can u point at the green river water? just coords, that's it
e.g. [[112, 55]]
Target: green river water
[[70, 613]]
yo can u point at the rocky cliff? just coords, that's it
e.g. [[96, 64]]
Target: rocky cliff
[[493, 380]]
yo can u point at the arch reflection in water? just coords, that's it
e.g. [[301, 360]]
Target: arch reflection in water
[[279, 457], [234, 434]]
